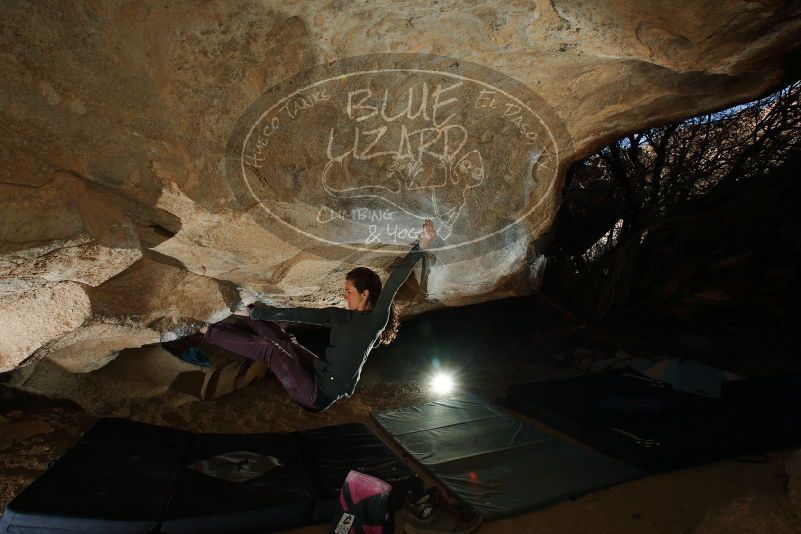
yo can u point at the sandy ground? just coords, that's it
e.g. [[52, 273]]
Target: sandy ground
[[489, 347]]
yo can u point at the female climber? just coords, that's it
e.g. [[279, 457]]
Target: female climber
[[313, 382]]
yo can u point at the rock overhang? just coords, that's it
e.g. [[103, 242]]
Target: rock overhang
[[117, 195]]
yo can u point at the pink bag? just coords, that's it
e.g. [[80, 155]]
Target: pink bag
[[362, 506]]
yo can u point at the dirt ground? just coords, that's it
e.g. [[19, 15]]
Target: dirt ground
[[488, 347]]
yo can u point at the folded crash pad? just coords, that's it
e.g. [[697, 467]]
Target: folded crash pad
[[498, 464]]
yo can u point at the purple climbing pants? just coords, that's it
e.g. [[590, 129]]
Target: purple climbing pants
[[291, 362]]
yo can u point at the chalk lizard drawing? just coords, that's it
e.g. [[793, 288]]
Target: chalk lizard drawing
[[439, 182]]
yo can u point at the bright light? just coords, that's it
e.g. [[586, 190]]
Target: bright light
[[441, 384]]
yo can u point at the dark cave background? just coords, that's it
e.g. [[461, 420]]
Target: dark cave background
[[692, 231], [679, 241]]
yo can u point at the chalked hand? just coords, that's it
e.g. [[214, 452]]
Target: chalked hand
[[428, 234]]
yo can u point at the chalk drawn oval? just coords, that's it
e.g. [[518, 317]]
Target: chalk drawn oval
[[359, 152]]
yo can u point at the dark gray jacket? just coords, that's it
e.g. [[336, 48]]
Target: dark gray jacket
[[353, 333]]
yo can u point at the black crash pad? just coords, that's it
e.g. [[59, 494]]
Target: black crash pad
[[647, 424], [130, 477], [498, 464]]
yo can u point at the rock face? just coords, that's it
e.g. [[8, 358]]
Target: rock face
[[122, 222]]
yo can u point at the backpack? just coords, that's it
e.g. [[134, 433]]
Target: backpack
[[362, 506]]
